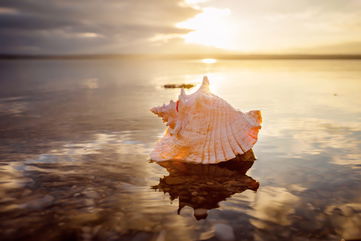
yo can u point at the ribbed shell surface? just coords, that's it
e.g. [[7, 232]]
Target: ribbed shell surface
[[208, 130]]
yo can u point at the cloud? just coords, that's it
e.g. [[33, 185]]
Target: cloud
[[88, 26], [142, 26]]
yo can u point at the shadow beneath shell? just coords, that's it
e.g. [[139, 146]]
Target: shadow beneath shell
[[202, 187]]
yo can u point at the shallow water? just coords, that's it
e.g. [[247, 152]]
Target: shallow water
[[75, 138]]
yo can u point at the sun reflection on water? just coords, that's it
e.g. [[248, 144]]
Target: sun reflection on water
[[209, 61]]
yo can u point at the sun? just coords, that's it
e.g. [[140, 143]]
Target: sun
[[211, 27]]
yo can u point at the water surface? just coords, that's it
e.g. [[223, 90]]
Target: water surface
[[76, 136]]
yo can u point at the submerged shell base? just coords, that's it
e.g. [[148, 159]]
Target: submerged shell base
[[204, 128]]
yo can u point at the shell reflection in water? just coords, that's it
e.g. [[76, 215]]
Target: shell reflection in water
[[202, 187]]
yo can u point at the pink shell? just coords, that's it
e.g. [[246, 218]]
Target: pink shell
[[204, 128]]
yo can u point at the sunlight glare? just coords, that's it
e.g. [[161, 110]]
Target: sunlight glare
[[211, 28], [215, 81], [209, 61], [195, 2]]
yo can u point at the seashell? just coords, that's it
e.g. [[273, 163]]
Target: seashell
[[204, 128]]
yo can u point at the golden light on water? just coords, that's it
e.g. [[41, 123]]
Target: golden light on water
[[209, 61]]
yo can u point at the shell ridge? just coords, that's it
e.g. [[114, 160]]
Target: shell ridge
[[237, 145], [199, 147], [228, 146], [221, 133], [205, 150], [218, 142], [162, 148], [248, 131], [230, 135], [255, 117], [247, 140], [235, 133], [184, 131], [234, 144], [209, 135], [222, 130], [212, 144]]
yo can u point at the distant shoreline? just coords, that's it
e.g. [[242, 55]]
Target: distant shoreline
[[187, 56]]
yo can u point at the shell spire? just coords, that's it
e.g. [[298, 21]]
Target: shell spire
[[205, 84], [204, 128]]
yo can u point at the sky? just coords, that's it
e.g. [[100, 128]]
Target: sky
[[180, 26]]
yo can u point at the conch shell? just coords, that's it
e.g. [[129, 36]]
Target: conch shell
[[204, 128]]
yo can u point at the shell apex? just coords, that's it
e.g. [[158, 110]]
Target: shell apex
[[205, 84]]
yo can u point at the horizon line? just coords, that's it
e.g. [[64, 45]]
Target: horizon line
[[259, 56]]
